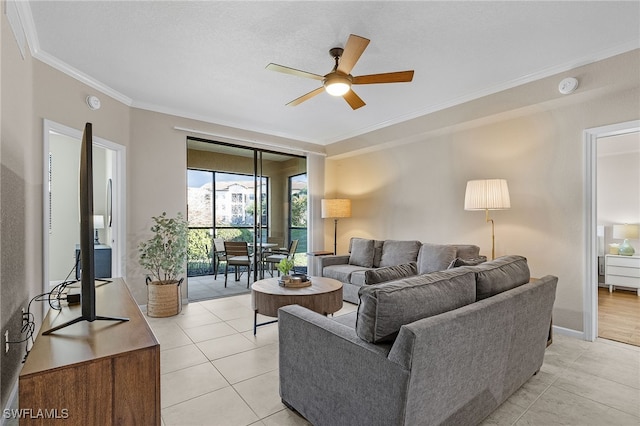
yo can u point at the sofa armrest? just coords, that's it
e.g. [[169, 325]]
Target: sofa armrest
[[331, 376], [342, 259]]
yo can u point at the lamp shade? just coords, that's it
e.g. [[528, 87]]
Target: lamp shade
[[336, 208], [98, 222], [487, 194], [626, 231]]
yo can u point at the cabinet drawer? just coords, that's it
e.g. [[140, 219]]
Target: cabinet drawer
[[626, 272], [622, 281], [631, 262]]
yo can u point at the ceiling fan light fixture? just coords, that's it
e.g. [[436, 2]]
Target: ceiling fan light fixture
[[336, 84]]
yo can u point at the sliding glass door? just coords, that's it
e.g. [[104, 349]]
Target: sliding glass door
[[242, 194]]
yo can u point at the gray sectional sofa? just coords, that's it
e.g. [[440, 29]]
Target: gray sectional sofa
[[376, 261], [442, 348]]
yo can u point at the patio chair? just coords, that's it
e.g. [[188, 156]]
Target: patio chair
[[276, 258], [219, 255], [237, 253], [277, 249]]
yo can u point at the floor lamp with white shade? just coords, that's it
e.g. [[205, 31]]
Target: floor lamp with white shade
[[487, 194], [335, 209]]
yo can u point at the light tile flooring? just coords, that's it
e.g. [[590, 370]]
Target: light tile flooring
[[216, 372]]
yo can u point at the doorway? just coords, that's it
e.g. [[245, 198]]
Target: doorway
[[237, 193], [618, 203], [61, 222], [605, 140]]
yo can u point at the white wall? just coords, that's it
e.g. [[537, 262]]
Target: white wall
[[618, 185], [65, 222]]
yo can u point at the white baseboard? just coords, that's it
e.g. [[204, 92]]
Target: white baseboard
[[569, 332]]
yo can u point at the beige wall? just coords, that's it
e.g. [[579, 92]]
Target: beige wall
[[415, 189], [20, 217]]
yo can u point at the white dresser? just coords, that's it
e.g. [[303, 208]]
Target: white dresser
[[623, 271]]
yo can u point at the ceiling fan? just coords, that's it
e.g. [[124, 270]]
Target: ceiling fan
[[338, 82]]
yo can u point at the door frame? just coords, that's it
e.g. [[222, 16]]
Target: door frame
[[119, 227], [590, 287]]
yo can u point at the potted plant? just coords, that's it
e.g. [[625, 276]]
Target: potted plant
[[284, 266], [163, 257]]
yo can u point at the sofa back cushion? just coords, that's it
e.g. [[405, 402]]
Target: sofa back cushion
[[384, 308], [501, 274], [467, 251], [396, 252], [362, 252], [390, 273], [435, 257]]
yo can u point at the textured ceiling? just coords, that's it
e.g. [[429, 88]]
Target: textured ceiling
[[206, 59]]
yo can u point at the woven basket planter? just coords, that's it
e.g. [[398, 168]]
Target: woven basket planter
[[163, 299]]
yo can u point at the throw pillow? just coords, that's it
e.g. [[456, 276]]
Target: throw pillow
[[501, 274], [390, 273], [467, 262], [384, 308], [362, 252], [435, 257], [397, 252]]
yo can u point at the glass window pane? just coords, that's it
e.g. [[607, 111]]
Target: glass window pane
[[299, 201], [199, 198]]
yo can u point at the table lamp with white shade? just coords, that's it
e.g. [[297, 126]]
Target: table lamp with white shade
[[626, 232], [98, 223]]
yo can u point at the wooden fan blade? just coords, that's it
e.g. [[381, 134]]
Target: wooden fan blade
[[306, 97], [389, 77], [352, 51], [293, 71], [353, 99]]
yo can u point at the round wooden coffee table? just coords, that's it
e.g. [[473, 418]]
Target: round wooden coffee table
[[323, 296]]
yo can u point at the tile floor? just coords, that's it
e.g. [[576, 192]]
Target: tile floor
[[215, 372]]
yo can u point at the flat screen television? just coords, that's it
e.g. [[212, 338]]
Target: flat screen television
[[88, 279]]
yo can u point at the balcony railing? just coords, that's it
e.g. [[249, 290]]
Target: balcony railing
[[200, 254]]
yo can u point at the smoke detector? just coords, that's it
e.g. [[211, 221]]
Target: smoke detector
[[93, 102], [568, 85]]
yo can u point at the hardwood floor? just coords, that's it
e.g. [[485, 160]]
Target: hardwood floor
[[619, 316]]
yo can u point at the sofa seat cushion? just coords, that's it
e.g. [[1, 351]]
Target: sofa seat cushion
[[362, 252], [396, 252], [384, 308], [357, 277], [341, 273], [435, 257], [390, 273], [501, 274]]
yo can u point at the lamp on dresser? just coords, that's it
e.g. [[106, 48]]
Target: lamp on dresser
[[98, 223], [626, 232], [335, 209], [487, 194]]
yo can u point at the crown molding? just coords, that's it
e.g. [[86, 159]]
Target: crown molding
[[12, 10], [544, 73], [28, 26], [29, 29], [231, 124]]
